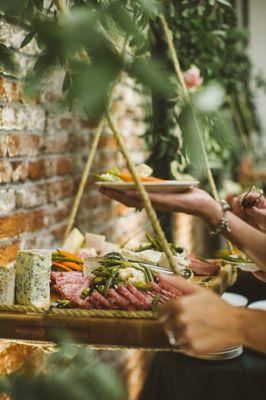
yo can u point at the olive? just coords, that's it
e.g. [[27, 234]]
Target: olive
[[186, 273]]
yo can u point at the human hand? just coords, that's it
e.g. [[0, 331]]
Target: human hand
[[255, 215], [200, 321], [261, 275], [194, 201]]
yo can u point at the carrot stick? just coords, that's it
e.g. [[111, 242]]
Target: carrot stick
[[128, 178], [72, 265], [69, 255], [59, 265]]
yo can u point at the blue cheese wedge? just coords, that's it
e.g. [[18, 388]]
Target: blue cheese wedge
[[33, 268], [7, 284]]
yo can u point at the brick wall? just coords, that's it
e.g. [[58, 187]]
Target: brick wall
[[42, 153]]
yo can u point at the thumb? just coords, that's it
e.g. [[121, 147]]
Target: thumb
[[179, 283]]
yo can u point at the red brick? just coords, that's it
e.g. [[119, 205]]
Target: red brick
[[31, 196], [36, 169], [58, 232], [87, 124], [65, 123], [64, 165], [23, 144], [8, 252], [56, 215], [3, 145], [7, 201], [60, 189], [20, 171], [5, 171], [57, 143], [16, 171], [12, 225], [108, 142], [14, 145], [35, 220]]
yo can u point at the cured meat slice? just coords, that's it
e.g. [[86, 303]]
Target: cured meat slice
[[130, 297], [71, 284], [119, 300], [100, 299], [144, 298], [169, 290], [205, 268]]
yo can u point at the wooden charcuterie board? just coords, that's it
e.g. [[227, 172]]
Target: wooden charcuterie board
[[143, 333]]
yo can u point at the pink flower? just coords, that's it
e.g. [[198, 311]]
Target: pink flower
[[192, 77]]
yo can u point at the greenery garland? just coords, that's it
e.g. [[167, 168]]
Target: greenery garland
[[205, 34]]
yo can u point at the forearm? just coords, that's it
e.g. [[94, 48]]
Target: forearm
[[252, 328], [248, 239]]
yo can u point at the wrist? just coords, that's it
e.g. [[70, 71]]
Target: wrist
[[212, 213], [240, 318]]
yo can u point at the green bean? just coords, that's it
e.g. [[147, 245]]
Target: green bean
[[155, 302], [107, 286], [142, 286]]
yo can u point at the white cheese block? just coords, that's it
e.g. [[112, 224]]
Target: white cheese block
[[94, 240], [33, 268], [7, 284], [181, 261], [74, 241], [84, 253], [151, 256], [109, 248]]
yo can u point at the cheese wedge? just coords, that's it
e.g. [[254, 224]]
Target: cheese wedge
[[33, 268], [7, 284]]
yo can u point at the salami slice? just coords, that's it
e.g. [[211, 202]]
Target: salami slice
[[205, 268]]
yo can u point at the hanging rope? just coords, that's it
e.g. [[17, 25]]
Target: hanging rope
[[145, 198], [186, 97], [84, 178], [91, 155]]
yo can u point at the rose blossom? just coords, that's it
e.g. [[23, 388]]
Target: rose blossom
[[192, 77]]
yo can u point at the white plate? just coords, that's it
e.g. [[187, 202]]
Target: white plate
[[248, 266], [227, 354], [258, 305], [235, 299], [165, 186]]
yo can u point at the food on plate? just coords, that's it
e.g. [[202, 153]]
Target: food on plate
[[74, 241], [7, 284], [100, 275], [155, 244], [115, 175], [95, 241], [82, 292], [85, 253], [63, 260], [33, 268], [204, 267]]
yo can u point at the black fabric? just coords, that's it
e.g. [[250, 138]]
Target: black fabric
[[174, 376]]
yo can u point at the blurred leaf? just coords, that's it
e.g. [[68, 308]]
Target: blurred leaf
[[152, 75], [66, 82], [7, 60], [71, 373], [27, 39], [225, 3]]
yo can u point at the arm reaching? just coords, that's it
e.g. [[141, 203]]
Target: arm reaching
[[199, 203], [204, 323]]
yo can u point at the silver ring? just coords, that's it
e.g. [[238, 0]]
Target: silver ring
[[174, 342]]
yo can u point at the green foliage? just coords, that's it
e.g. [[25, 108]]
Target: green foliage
[[206, 35], [84, 43], [7, 62], [71, 373]]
